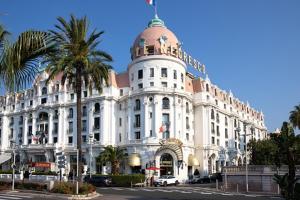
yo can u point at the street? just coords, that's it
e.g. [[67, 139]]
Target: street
[[117, 193]]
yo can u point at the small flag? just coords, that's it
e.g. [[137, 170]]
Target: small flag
[[151, 2], [162, 129]]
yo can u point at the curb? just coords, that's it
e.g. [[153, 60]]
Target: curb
[[88, 196]]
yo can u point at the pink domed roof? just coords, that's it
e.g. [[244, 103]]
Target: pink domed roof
[[154, 35]]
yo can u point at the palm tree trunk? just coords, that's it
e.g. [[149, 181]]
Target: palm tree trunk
[[78, 118]]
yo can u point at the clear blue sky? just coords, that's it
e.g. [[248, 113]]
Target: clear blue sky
[[251, 47]]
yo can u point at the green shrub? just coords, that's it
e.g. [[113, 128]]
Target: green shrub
[[21, 185], [70, 188], [127, 179], [9, 172]]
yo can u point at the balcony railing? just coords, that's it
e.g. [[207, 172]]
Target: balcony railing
[[83, 129], [21, 122], [55, 117], [11, 123], [96, 112], [70, 116], [136, 125], [84, 114], [96, 127], [30, 120], [165, 106], [188, 126], [137, 108], [69, 131], [54, 131]]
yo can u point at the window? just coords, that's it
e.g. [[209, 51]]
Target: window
[[22, 105], [207, 88], [121, 92], [72, 96], [96, 123], [97, 108], [70, 113], [137, 123], [164, 72], [212, 128], [84, 139], [164, 84], [150, 115], [137, 135], [137, 104], [70, 140], [182, 77], [235, 145], [140, 74], [29, 141], [150, 133], [226, 143], [175, 85], [226, 133], [175, 74], [70, 127], [120, 106], [31, 103], [165, 103], [54, 140], [120, 137], [132, 77], [55, 129], [217, 118], [213, 140], [226, 121], [151, 84], [235, 124], [44, 90], [140, 85], [97, 137], [43, 100], [56, 98], [187, 123], [84, 125], [120, 121], [187, 136], [84, 111], [218, 131], [187, 108], [84, 93], [224, 106], [216, 102], [218, 142], [212, 114], [151, 72]]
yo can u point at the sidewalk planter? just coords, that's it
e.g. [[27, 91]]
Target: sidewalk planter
[[87, 196], [70, 188]]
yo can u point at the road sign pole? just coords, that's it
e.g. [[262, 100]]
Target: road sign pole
[[77, 171]]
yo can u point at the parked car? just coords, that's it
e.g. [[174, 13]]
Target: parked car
[[98, 180], [166, 180], [216, 176], [204, 179], [195, 179]]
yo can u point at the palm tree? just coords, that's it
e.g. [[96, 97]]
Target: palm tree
[[295, 117], [77, 58], [113, 155], [19, 60]]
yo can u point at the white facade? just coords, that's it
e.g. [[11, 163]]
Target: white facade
[[159, 112]]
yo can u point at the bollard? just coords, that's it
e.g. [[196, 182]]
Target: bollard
[[237, 188], [217, 185], [278, 189]]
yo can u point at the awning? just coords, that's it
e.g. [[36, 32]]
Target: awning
[[193, 161], [134, 160], [4, 157]]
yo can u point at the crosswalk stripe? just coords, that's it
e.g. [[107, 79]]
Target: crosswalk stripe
[[7, 197], [117, 189], [205, 193], [185, 192], [13, 195]]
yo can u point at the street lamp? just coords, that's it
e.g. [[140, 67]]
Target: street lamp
[[13, 145]]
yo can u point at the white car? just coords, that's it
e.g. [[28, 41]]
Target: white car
[[166, 180]]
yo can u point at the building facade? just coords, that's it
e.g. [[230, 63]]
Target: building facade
[[159, 112]]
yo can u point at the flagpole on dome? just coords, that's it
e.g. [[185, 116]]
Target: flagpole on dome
[[155, 9]]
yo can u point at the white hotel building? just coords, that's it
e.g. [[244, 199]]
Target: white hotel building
[[157, 110]]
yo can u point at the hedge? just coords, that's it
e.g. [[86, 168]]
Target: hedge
[[70, 188], [26, 186], [9, 172], [125, 180]]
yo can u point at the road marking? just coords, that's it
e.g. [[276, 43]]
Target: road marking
[[226, 194], [7, 197], [147, 190], [249, 195], [133, 189], [117, 189], [205, 193], [13, 195], [185, 192]]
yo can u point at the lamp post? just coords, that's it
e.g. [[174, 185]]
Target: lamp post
[[13, 165]]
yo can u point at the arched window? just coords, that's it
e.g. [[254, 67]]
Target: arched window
[[217, 118], [44, 90], [137, 104], [207, 88], [70, 113], [226, 121], [97, 108], [165, 103], [84, 111], [212, 114], [187, 107]]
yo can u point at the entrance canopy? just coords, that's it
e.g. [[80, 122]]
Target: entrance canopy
[[173, 147], [4, 157]]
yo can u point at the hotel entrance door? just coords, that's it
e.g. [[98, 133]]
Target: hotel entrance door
[[166, 164]]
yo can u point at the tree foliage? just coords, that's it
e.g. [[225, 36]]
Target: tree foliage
[[113, 155], [76, 57]]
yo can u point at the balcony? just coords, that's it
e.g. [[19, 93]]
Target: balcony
[[188, 127], [21, 122], [136, 125], [11, 123], [55, 117], [166, 106], [84, 114], [96, 112], [69, 131], [136, 141], [137, 108], [83, 129], [54, 131], [96, 128], [70, 116], [30, 120]]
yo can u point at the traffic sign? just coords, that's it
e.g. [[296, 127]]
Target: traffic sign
[[61, 162], [59, 153], [61, 166]]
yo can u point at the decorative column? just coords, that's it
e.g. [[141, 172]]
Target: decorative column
[[34, 129], [145, 128], [25, 135], [130, 121], [157, 117], [50, 126]]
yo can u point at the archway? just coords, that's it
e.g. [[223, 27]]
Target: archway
[[166, 164]]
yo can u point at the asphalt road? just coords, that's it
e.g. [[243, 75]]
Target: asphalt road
[[25, 196], [165, 193]]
